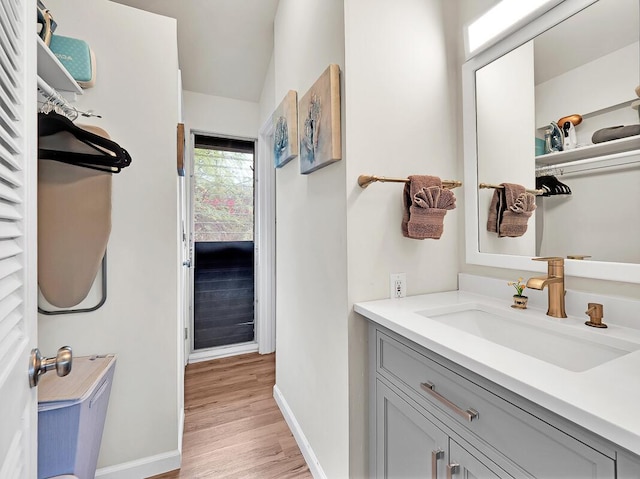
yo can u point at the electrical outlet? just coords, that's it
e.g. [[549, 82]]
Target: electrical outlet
[[397, 285]]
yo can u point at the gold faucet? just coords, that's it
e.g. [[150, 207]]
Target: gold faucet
[[554, 281]]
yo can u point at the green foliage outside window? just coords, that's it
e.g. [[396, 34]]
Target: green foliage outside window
[[223, 197]]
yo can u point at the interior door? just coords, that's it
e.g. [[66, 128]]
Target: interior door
[[223, 208], [18, 200]]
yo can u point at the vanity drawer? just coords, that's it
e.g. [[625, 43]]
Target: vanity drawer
[[535, 446]]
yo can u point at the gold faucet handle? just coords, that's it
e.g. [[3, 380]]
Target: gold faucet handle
[[550, 259]]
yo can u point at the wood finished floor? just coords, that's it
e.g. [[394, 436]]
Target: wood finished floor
[[233, 427]]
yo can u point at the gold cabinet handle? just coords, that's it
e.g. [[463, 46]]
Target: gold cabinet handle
[[452, 469], [435, 456], [468, 414]]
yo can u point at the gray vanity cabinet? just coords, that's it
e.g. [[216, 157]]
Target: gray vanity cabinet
[[409, 445], [423, 403], [407, 442], [464, 464]]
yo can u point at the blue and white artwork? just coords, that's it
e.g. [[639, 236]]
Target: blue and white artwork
[[285, 135], [319, 122]]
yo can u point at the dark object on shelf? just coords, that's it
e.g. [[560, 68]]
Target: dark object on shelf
[[551, 186], [615, 133]]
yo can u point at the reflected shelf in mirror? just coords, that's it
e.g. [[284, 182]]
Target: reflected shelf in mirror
[[607, 148]]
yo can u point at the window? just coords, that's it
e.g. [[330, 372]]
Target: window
[[223, 189]]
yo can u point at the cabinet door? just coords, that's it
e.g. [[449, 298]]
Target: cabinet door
[[408, 445], [463, 464]]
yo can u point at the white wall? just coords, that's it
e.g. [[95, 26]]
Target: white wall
[[337, 243], [267, 97], [584, 223], [220, 116], [400, 103], [135, 93], [597, 85], [311, 250]]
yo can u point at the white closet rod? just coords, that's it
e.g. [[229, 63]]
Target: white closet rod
[[615, 159], [56, 99]]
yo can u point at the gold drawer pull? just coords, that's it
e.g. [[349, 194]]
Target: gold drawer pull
[[468, 414]]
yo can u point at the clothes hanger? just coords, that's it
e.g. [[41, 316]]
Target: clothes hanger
[[551, 186], [84, 149]]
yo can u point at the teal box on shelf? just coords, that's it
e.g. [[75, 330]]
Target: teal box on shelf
[[76, 56], [539, 147]]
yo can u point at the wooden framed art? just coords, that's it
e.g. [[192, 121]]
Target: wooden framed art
[[285, 136], [319, 122], [180, 150]]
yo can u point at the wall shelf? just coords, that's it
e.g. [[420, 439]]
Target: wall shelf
[[52, 71], [590, 151]]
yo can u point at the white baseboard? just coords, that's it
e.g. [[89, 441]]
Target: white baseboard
[[223, 352], [296, 430], [146, 467]]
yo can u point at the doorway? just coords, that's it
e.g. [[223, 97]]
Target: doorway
[[223, 235]]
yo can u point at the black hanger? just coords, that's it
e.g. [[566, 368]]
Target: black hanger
[[551, 186], [102, 154]]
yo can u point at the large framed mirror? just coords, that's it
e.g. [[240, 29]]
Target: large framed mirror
[[581, 60]]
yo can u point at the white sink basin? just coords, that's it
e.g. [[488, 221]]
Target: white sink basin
[[565, 346]]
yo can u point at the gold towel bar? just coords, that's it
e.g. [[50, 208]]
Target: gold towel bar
[[366, 180], [499, 187]]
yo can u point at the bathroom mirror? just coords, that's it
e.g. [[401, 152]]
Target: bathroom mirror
[[580, 57]]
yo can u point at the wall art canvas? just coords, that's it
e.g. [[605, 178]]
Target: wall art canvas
[[285, 136], [319, 122]]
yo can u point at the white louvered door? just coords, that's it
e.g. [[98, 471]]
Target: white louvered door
[[18, 283]]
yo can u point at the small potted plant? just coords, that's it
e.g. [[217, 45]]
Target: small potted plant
[[519, 301]]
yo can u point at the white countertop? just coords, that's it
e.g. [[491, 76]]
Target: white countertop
[[603, 399]]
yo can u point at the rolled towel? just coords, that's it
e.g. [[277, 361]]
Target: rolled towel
[[517, 212], [428, 210], [638, 90], [510, 209], [415, 184]]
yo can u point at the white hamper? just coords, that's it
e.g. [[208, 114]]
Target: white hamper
[[71, 414]]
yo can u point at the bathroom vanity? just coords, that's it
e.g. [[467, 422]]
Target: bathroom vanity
[[461, 385]]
